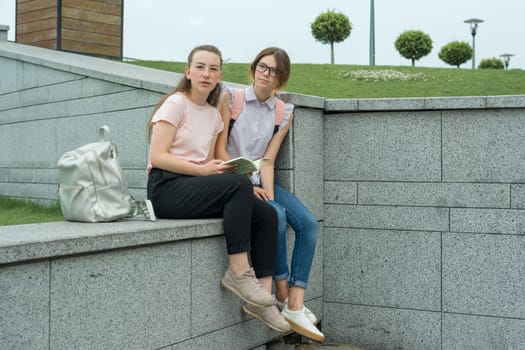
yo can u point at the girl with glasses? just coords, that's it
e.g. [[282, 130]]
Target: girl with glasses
[[253, 133]]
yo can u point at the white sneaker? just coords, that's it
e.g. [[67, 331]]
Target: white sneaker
[[146, 208], [301, 324], [311, 316]]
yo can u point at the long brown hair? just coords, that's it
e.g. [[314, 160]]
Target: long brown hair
[[184, 84], [283, 64]]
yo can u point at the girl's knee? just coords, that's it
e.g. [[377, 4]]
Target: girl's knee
[[281, 217], [244, 182], [310, 224], [281, 214], [281, 221], [309, 230]]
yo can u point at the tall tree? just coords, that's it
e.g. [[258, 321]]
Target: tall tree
[[331, 27], [413, 44]]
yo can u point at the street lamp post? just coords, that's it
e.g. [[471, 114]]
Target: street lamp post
[[473, 22], [372, 57], [506, 59]]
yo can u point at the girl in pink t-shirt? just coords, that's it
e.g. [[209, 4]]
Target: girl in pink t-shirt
[[186, 182]]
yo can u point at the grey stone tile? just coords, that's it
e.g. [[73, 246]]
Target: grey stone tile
[[47, 111], [35, 141], [113, 102], [435, 194], [94, 87], [383, 268], [133, 299], [284, 178], [33, 75], [392, 104], [341, 105], [387, 217], [24, 306], [476, 146], [508, 101], [29, 175], [394, 146], [8, 72], [25, 190], [484, 274], [376, 328], [340, 192], [507, 221], [68, 90], [483, 333], [517, 196], [211, 304], [9, 100], [308, 159], [136, 178], [469, 102]]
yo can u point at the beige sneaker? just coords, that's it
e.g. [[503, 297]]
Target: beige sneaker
[[269, 315], [301, 324], [248, 288], [311, 316]]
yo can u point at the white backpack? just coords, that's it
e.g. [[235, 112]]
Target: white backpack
[[92, 187]]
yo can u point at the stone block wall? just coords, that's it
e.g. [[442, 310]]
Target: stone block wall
[[130, 284], [424, 244]]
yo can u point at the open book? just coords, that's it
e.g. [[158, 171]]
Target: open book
[[245, 165]]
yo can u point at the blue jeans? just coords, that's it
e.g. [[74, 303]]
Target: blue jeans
[[304, 224]]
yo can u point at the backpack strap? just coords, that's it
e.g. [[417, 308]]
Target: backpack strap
[[280, 110], [104, 134], [238, 102]]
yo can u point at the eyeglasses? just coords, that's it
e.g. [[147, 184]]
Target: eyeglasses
[[261, 67]]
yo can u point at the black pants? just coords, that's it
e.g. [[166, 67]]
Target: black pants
[[249, 223]]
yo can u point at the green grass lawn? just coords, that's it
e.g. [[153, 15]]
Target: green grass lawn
[[15, 212], [349, 81], [333, 81]]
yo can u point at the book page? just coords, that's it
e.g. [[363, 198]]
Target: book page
[[245, 165]]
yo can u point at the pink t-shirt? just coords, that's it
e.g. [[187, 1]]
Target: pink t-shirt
[[196, 126]]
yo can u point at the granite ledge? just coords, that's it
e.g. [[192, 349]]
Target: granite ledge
[[424, 103], [22, 243]]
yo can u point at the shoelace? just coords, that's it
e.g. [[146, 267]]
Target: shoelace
[[304, 313], [250, 274], [282, 304], [274, 310]]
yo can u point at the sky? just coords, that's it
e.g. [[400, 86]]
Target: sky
[[168, 30]]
